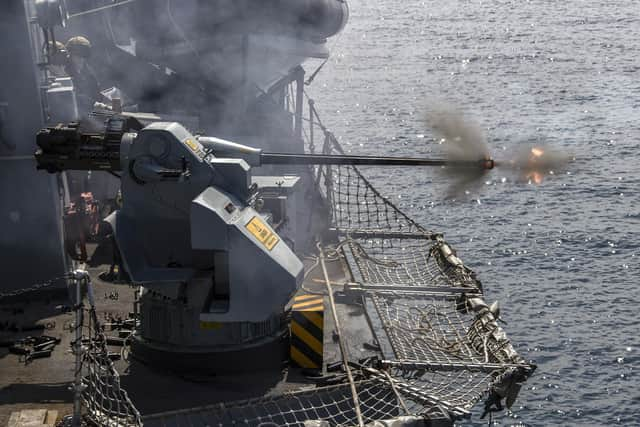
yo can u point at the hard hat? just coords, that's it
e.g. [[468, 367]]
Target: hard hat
[[79, 46]]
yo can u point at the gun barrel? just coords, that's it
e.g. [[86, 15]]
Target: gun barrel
[[330, 159]]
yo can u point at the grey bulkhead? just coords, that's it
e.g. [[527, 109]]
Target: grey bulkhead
[[184, 228], [31, 203]]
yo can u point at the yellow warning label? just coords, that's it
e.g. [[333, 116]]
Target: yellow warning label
[[195, 147], [210, 325], [261, 232]]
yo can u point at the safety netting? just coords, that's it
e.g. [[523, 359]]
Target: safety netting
[[440, 329], [318, 406], [425, 306], [403, 393], [105, 402], [386, 245]]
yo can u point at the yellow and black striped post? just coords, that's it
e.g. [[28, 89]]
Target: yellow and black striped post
[[307, 324]]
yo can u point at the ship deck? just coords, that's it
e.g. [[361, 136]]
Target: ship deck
[[417, 334], [45, 382]]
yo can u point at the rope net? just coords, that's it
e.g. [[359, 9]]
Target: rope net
[[387, 246], [322, 406], [359, 207], [414, 261], [106, 403], [425, 306], [441, 329]]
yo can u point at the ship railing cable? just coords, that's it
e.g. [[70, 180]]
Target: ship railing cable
[[343, 348], [37, 287]]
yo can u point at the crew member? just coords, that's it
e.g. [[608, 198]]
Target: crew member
[[84, 79]]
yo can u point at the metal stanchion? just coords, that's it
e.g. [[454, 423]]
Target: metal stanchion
[[79, 277]]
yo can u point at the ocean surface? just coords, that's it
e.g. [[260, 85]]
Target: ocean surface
[[562, 257]]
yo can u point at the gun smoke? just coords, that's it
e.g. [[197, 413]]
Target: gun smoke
[[464, 140]]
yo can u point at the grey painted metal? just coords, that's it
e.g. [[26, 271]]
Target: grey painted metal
[[30, 202], [391, 288], [261, 280], [256, 157], [61, 100], [283, 197], [337, 159], [211, 281], [80, 278]]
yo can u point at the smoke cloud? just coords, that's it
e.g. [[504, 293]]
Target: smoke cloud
[[463, 140]]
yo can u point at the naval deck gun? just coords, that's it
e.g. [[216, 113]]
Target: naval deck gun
[[195, 233]]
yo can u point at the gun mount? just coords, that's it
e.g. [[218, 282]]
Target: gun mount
[[183, 212]]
